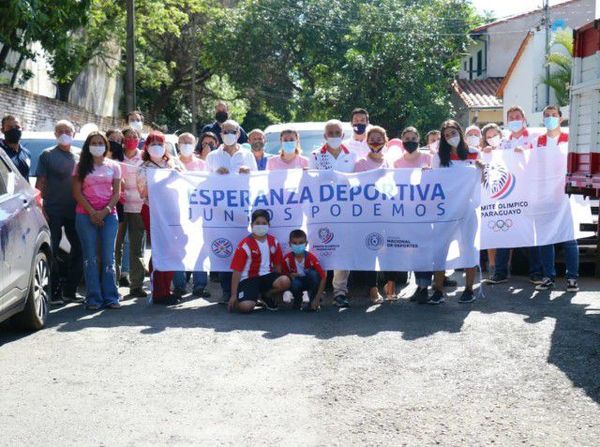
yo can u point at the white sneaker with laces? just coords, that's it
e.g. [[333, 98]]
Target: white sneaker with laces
[[572, 285]]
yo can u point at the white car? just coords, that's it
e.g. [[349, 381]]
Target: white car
[[311, 135]]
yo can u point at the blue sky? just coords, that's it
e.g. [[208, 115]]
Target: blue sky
[[502, 8]]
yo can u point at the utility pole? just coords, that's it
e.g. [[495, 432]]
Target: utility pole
[[547, 30], [193, 91], [130, 58]]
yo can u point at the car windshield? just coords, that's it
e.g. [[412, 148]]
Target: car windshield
[[36, 147], [309, 141]]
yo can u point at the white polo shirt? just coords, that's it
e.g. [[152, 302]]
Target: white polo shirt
[[322, 159], [220, 159], [525, 141], [360, 148]]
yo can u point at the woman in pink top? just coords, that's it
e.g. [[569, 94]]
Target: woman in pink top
[[412, 157], [97, 188], [376, 140], [289, 155], [186, 145]]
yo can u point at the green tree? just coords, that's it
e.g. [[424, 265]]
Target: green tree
[[561, 63]]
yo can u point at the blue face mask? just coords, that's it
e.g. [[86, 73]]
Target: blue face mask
[[288, 146], [298, 249], [515, 126], [551, 122]]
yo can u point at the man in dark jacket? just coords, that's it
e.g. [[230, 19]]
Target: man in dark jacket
[[222, 115]]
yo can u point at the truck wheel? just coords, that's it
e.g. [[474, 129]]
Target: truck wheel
[[34, 316]]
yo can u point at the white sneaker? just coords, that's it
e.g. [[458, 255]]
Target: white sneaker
[[572, 285], [288, 297]]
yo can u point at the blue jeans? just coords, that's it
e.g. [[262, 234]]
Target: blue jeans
[[100, 291], [535, 263], [423, 279], [200, 280], [309, 282], [571, 260]]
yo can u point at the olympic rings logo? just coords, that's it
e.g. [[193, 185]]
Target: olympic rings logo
[[500, 225]]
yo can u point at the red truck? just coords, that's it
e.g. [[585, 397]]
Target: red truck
[[583, 171]]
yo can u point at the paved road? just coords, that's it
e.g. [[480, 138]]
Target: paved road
[[515, 368]]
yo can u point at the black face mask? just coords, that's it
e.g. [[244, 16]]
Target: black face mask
[[410, 146], [116, 150], [359, 129], [221, 117], [13, 135]]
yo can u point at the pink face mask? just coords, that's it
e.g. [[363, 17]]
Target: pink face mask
[[130, 143]]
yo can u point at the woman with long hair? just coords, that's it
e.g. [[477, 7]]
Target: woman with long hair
[[454, 151], [289, 154], [97, 188]]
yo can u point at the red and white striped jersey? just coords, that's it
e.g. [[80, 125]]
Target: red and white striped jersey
[[254, 258]]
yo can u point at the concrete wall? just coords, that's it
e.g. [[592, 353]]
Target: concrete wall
[[39, 113]]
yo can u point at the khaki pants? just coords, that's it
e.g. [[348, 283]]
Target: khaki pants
[[137, 244], [340, 282]]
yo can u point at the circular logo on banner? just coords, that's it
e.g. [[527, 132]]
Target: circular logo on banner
[[325, 235], [498, 181], [222, 247], [374, 241], [500, 225]]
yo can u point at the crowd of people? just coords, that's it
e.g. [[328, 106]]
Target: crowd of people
[[98, 196]]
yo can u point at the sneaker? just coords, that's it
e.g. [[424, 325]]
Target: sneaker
[[496, 279], [467, 296], [297, 302], [124, 281], [572, 285], [536, 279], [449, 282], [545, 284], [270, 303], [72, 297], [201, 293], [436, 298], [170, 300], [114, 306], [341, 301], [420, 296], [179, 292], [137, 292], [92, 307]]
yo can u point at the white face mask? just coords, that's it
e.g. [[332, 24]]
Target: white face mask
[[97, 151], [454, 141], [186, 149], [137, 125], [494, 141], [260, 230], [156, 151], [473, 141], [334, 142], [65, 139], [230, 139]]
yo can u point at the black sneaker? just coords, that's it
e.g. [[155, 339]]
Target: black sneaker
[[297, 304], [572, 285], [495, 279], [341, 301], [124, 282], [449, 282], [201, 293], [179, 292], [270, 303], [420, 296], [436, 298], [467, 297], [546, 284], [536, 279], [170, 300], [137, 292], [56, 300], [72, 297]]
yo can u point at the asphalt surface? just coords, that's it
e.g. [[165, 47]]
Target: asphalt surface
[[515, 368]]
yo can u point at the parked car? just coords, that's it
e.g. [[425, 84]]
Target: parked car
[[25, 251], [311, 135]]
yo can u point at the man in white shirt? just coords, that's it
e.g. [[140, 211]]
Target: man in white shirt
[[333, 155], [230, 157], [336, 156], [358, 142]]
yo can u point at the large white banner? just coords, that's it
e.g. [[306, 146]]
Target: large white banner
[[402, 220], [523, 200]]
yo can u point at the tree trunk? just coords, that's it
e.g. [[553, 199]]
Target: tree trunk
[[16, 70]]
